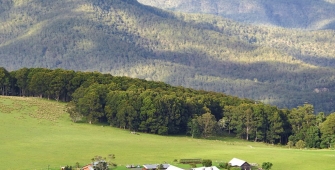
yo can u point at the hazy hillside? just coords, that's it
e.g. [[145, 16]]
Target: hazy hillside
[[123, 37], [310, 14]]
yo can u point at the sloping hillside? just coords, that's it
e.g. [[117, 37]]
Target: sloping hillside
[[307, 14], [123, 37], [37, 134]]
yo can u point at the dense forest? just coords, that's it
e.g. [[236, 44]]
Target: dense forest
[[159, 108], [283, 67], [304, 14]]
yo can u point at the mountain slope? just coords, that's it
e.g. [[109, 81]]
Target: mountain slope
[[122, 37], [307, 14]]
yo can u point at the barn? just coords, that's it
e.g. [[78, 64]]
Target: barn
[[235, 162]]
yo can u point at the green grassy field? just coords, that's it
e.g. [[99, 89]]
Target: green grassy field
[[37, 133]]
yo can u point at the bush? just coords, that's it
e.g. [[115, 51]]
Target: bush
[[290, 144], [193, 165], [223, 165], [228, 166], [160, 166], [207, 162], [300, 144], [175, 160], [266, 165], [68, 167]]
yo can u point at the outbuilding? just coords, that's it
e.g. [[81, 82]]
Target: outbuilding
[[171, 167], [155, 166], [206, 168], [235, 162]]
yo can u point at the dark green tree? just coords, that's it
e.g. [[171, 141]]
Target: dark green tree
[[194, 128], [328, 131], [68, 167], [312, 138], [207, 162], [4, 81], [75, 115], [275, 127], [267, 165]]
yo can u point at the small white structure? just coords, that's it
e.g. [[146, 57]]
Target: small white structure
[[155, 166], [206, 168], [240, 163], [171, 167], [236, 162]]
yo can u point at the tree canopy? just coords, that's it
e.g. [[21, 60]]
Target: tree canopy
[[159, 108]]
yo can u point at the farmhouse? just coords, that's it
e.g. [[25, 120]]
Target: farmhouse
[[92, 166], [240, 163], [88, 167]]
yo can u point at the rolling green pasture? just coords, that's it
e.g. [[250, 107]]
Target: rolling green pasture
[[37, 133]]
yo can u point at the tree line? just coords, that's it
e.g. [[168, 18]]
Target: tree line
[[159, 108]]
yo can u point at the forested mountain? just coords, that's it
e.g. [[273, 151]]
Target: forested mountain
[[306, 14], [122, 37]]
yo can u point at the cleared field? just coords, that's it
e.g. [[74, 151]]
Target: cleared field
[[37, 133]]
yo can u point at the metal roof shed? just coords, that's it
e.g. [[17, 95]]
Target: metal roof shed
[[240, 163], [206, 168], [171, 167]]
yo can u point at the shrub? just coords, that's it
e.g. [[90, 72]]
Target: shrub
[[228, 166], [193, 165], [300, 144], [175, 160], [160, 166], [68, 167], [290, 144], [223, 165], [207, 162], [266, 165]]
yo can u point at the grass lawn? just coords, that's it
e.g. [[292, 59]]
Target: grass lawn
[[37, 133]]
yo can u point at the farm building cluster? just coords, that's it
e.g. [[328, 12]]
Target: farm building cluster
[[235, 162]]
